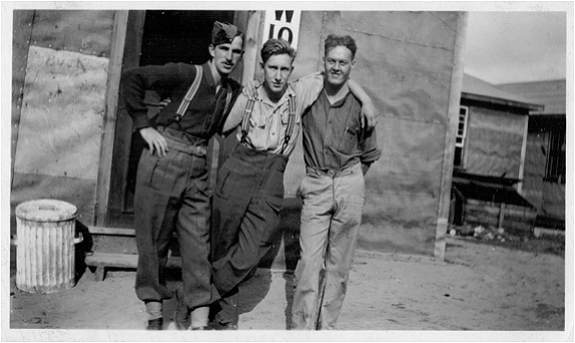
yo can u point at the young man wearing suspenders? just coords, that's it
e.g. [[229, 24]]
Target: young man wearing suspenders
[[249, 191], [172, 179]]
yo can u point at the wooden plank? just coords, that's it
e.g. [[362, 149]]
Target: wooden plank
[[23, 21], [501, 215], [123, 137], [123, 260], [114, 244], [450, 133], [521, 173], [253, 36], [114, 231], [109, 125], [112, 260], [101, 261]]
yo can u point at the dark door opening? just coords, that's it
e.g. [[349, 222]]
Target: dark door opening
[[154, 37], [179, 36]]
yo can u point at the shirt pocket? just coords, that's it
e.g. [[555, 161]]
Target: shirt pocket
[[285, 118], [350, 138], [257, 119]]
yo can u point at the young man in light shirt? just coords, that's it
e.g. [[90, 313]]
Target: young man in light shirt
[[249, 191]]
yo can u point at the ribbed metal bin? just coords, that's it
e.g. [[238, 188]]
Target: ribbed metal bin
[[45, 245]]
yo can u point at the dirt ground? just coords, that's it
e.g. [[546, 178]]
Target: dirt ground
[[479, 287]]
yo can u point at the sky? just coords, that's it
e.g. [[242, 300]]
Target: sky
[[506, 47]]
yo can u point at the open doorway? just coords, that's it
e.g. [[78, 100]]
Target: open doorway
[[153, 37]]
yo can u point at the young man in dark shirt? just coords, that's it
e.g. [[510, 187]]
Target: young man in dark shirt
[[172, 179], [337, 153]]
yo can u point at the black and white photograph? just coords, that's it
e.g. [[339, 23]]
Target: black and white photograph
[[287, 171]]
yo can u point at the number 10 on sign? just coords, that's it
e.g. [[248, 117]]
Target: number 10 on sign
[[282, 24]]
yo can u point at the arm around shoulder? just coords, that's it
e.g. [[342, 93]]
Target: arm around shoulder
[[308, 88], [236, 113], [368, 110]]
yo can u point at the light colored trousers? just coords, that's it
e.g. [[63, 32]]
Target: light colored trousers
[[330, 219]]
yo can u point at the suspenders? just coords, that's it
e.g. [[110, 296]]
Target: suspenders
[[289, 128], [246, 118], [181, 111], [189, 94], [291, 122]]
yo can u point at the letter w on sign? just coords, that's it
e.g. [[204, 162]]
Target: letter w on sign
[[282, 24]]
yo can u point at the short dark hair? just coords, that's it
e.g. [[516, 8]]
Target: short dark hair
[[276, 47], [334, 40]]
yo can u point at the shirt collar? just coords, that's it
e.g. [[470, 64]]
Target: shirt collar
[[210, 77], [338, 103], [262, 95]]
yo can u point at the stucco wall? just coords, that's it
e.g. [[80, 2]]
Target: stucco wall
[[60, 129], [405, 61], [493, 143]]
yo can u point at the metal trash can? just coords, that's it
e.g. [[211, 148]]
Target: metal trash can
[[45, 245]]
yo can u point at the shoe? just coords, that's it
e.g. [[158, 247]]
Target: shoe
[[199, 328], [215, 325], [155, 324]]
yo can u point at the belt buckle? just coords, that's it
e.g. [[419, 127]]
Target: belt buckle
[[198, 150]]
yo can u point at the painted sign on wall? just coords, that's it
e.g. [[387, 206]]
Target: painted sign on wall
[[282, 24]]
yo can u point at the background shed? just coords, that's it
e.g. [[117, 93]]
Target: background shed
[[489, 158], [545, 174]]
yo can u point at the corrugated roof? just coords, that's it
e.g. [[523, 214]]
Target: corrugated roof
[[551, 93], [475, 87]]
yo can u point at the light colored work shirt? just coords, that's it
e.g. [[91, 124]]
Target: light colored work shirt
[[268, 120]]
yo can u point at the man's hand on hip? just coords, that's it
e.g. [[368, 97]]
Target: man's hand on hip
[[156, 142]]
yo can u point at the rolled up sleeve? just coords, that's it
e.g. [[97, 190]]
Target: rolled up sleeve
[[236, 113], [370, 151]]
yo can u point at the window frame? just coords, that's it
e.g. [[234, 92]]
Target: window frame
[[459, 154]]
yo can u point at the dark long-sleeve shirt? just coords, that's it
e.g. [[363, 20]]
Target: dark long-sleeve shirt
[[204, 116], [332, 135]]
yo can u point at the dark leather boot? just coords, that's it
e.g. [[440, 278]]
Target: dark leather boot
[[155, 324]]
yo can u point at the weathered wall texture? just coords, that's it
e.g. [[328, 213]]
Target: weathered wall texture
[[60, 129], [548, 197], [405, 61], [493, 143], [532, 188], [554, 199], [20, 42], [86, 32]]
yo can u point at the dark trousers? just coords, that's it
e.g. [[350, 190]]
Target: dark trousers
[[172, 193], [245, 218]]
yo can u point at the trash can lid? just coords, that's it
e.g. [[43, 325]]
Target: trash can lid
[[46, 210]]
